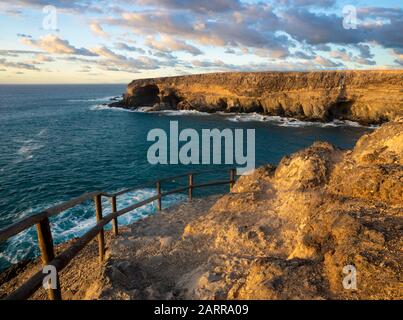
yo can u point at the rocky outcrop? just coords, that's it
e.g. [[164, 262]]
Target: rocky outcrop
[[294, 231], [363, 96]]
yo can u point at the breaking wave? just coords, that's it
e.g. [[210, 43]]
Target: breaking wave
[[108, 98], [243, 117], [291, 122], [103, 107], [100, 107], [183, 112]]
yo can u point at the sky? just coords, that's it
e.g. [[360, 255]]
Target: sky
[[88, 41]]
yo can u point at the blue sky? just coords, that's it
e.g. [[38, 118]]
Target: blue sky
[[87, 41]]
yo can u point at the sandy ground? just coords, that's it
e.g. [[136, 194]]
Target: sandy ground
[[148, 259]]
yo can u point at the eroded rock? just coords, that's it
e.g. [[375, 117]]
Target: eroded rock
[[283, 233], [363, 96]]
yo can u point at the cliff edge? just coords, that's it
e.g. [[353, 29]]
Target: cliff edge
[[369, 97], [285, 232], [294, 231]]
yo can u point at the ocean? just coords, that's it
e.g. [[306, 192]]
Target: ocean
[[60, 141]]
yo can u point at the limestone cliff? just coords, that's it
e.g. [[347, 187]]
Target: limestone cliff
[[364, 96]]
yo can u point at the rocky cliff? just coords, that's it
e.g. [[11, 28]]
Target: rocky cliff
[[363, 96], [285, 232], [294, 231]]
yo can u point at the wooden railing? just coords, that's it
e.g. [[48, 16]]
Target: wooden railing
[[45, 238]]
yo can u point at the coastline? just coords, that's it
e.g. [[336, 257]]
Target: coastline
[[284, 232], [366, 97], [277, 120]]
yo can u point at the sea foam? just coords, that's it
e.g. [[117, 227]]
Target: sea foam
[[108, 98], [290, 122]]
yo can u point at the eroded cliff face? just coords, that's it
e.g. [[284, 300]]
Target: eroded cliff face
[[364, 96]]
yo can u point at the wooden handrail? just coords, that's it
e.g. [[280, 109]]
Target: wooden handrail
[[30, 221], [45, 241]]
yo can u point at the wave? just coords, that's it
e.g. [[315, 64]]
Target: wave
[[27, 149], [292, 122], [170, 112], [42, 132], [103, 107], [99, 107], [183, 112], [76, 221], [108, 98], [243, 117]]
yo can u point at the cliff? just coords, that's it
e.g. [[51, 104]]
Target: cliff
[[285, 232], [363, 96]]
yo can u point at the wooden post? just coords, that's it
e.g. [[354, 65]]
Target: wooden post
[[159, 204], [190, 187], [115, 220], [45, 242], [101, 236], [232, 178]]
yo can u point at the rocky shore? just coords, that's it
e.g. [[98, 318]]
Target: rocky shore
[[368, 97], [285, 232]]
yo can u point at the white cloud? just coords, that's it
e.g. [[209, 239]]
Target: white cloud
[[168, 44], [98, 30], [53, 44]]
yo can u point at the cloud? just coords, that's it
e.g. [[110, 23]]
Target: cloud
[[16, 53], [106, 53], [116, 62], [318, 63], [44, 58], [85, 69], [77, 6], [97, 30], [126, 47], [23, 35], [363, 58], [230, 51], [303, 55], [209, 6], [212, 64], [327, 63], [164, 55], [398, 54], [168, 44], [307, 3], [321, 47], [253, 27], [296, 33], [365, 51], [321, 28], [53, 44], [17, 65]]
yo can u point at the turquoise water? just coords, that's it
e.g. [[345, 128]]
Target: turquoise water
[[59, 141]]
